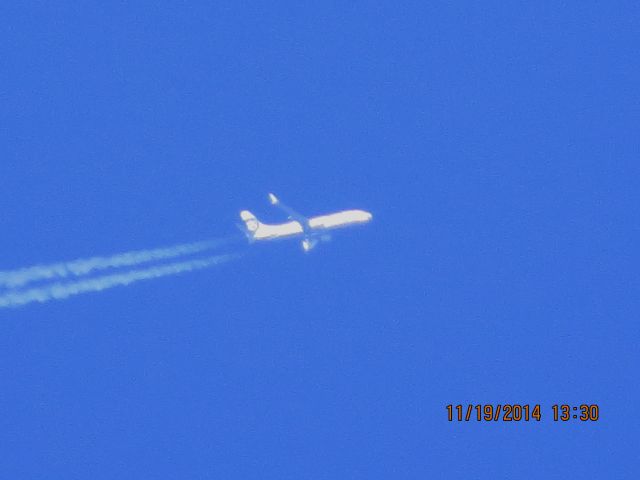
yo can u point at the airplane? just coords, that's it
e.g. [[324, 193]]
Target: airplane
[[311, 230]]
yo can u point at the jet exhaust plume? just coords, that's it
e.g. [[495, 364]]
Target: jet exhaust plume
[[84, 266], [61, 291]]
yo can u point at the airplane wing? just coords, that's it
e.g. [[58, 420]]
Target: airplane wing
[[291, 213], [310, 239]]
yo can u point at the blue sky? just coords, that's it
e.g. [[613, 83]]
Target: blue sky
[[496, 145]]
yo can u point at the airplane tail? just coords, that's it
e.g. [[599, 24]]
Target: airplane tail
[[251, 223]]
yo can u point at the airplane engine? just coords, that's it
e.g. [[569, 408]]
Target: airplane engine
[[308, 244]]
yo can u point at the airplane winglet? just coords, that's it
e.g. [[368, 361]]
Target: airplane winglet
[[273, 199]]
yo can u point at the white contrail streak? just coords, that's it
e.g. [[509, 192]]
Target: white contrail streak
[[84, 266], [60, 291]]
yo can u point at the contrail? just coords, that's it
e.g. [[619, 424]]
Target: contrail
[[60, 291], [84, 266]]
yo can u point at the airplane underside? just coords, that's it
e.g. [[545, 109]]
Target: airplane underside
[[312, 230]]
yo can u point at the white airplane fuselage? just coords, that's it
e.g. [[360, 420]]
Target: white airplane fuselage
[[317, 224], [310, 229]]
